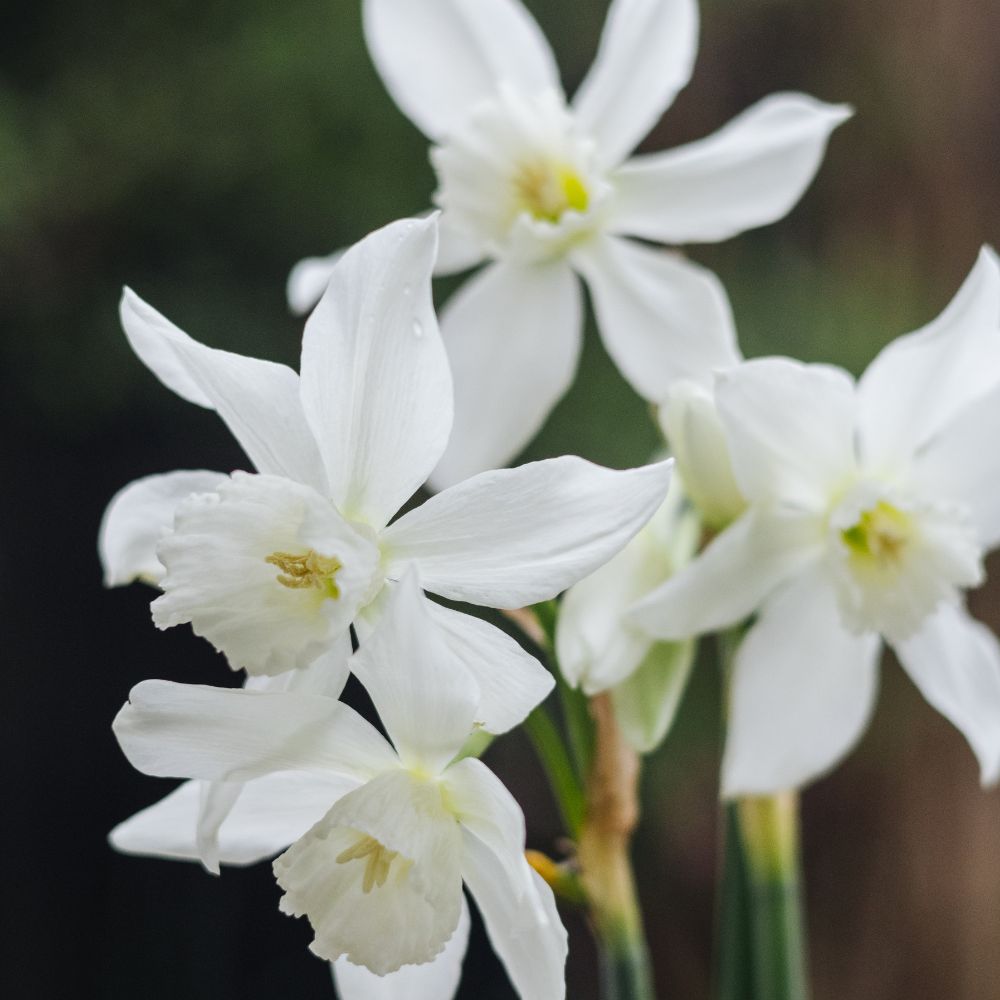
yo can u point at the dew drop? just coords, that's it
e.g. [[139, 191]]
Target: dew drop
[[418, 328]]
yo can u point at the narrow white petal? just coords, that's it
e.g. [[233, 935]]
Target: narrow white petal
[[193, 731], [750, 173], [307, 281], [803, 690], [645, 58], [439, 58], [920, 381], [661, 317], [790, 428], [458, 250], [733, 576], [511, 681], [136, 519], [376, 388], [513, 336], [435, 980], [258, 400], [513, 537], [526, 933], [955, 662], [215, 802], [424, 694]]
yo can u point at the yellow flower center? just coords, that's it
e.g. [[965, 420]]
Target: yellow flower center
[[378, 861], [547, 190], [880, 535], [310, 570]]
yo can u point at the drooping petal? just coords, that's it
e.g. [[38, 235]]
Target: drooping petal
[[435, 980], [511, 681], [380, 876], [526, 933], [730, 579], [439, 58], [661, 317], [376, 388], [955, 662], [790, 429], [750, 173], [920, 381], [215, 802], [803, 689], [307, 281], [645, 58], [513, 336], [513, 537], [269, 813], [266, 570], [258, 400], [173, 730], [136, 519]]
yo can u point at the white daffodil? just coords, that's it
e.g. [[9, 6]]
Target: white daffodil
[[382, 834], [273, 567], [541, 189], [599, 649], [871, 507]]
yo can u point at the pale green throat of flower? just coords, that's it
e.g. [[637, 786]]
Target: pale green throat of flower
[[547, 190], [378, 861], [880, 535], [310, 570]]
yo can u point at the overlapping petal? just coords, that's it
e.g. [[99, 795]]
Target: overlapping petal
[[307, 281]]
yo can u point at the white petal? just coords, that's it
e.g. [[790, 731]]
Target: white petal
[[258, 400], [215, 802], [397, 900], [750, 173], [439, 58], [173, 730], [376, 388], [326, 675], [513, 335], [458, 250], [270, 813], [790, 428], [221, 574], [645, 58], [920, 381], [136, 519], [436, 980], [513, 537], [730, 579], [661, 317], [803, 689], [425, 696], [646, 702], [955, 662], [307, 281], [526, 933], [511, 681]]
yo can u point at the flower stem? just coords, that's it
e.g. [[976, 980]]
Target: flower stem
[[734, 946], [551, 750], [606, 869]]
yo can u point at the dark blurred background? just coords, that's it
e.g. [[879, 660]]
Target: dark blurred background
[[196, 150]]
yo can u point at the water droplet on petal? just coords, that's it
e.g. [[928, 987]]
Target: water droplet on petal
[[418, 328]]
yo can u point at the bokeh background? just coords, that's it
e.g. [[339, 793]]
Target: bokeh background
[[195, 150]]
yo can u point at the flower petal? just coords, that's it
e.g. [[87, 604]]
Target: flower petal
[[193, 731], [645, 58], [955, 662], [661, 317], [526, 934], [376, 388], [750, 173], [307, 281], [439, 58], [920, 381], [435, 980], [730, 579], [258, 400], [790, 428], [513, 335], [458, 250], [511, 681], [513, 537], [136, 519], [803, 690]]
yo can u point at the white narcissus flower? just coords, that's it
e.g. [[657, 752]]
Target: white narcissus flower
[[542, 190], [273, 567], [599, 649], [871, 506], [382, 834]]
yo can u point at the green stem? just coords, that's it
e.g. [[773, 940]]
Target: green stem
[[566, 786], [734, 945]]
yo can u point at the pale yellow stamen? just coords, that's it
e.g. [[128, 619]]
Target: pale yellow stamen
[[307, 570], [547, 190], [880, 535], [378, 860]]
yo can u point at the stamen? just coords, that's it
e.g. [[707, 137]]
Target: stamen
[[546, 190], [881, 534], [378, 861], [308, 570]]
